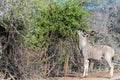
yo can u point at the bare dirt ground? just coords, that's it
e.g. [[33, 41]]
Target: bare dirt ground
[[92, 76]]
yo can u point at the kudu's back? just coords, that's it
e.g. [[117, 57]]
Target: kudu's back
[[98, 52]]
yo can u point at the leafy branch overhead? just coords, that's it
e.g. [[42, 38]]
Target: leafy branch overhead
[[57, 20]]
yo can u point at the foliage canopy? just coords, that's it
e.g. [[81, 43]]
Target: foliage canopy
[[56, 21]]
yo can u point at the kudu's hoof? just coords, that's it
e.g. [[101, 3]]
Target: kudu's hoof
[[84, 76]]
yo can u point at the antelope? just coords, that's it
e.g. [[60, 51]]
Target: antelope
[[96, 52]]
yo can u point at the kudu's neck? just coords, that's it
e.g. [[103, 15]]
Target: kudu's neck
[[82, 41]]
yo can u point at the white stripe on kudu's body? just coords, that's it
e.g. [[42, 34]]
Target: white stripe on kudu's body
[[96, 52]]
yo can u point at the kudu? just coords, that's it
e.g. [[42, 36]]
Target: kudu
[[96, 52]]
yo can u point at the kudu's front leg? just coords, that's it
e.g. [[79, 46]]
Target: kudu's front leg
[[86, 66]]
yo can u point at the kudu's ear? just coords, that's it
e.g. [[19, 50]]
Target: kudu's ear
[[92, 33], [86, 33]]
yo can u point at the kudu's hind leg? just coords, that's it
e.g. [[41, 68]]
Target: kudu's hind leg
[[109, 60], [86, 66], [111, 68]]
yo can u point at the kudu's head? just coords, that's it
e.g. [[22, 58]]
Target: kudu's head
[[82, 33], [85, 33]]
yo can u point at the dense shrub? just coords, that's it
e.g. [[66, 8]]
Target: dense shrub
[[56, 21], [44, 26]]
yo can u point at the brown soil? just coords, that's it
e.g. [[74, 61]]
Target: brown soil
[[92, 76]]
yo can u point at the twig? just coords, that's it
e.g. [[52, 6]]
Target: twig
[[11, 76], [51, 68]]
